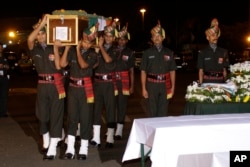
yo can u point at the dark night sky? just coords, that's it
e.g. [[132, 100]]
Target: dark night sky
[[171, 13], [128, 10]]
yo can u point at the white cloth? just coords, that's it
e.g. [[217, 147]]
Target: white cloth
[[170, 137]]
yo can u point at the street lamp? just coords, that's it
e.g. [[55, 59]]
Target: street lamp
[[142, 13], [248, 41], [12, 35]]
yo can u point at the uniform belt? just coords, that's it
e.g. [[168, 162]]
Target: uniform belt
[[104, 77], [213, 74], [65, 73], [118, 75], [46, 78], [78, 82], [157, 77]]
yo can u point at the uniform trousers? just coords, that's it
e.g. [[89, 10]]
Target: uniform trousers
[[157, 99], [79, 111], [121, 104], [49, 110], [104, 99]]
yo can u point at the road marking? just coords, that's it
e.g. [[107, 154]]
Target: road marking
[[15, 91]]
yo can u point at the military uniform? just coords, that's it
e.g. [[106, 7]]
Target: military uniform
[[104, 89], [157, 64], [125, 63], [80, 102], [80, 99], [81, 60], [213, 62], [49, 106], [50, 87]]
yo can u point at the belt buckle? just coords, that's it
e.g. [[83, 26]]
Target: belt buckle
[[105, 77], [48, 78], [79, 82], [159, 77], [65, 73], [118, 76]]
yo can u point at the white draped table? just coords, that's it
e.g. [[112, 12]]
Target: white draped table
[[170, 138]]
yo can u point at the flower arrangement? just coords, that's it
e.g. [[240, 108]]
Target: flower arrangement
[[240, 75], [236, 88], [207, 93]]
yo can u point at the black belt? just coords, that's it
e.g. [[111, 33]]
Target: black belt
[[213, 74], [46, 78], [103, 77], [157, 77], [78, 82]]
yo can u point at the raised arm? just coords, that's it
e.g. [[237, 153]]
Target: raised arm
[[105, 55], [33, 35]]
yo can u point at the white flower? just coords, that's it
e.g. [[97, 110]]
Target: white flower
[[227, 98], [236, 89], [217, 99]]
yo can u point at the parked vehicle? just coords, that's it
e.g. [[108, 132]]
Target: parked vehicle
[[179, 62], [19, 64], [138, 57], [26, 65], [185, 60], [12, 60]]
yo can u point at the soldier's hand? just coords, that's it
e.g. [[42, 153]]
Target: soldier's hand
[[58, 43], [101, 41]]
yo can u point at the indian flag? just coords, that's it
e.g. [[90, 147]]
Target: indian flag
[[103, 22]]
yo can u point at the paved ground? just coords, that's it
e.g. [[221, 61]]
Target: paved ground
[[19, 137]]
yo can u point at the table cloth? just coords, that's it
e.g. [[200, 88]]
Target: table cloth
[[174, 136]]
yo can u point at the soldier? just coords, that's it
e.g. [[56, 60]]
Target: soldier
[[124, 78], [80, 92], [213, 60], [50, 88], [158, 74], [105, 86]]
